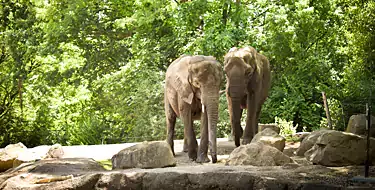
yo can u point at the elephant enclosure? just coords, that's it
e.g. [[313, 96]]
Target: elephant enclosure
[[186, 175]]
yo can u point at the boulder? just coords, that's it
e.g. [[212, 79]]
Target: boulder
[[257, 154], [56, 151], [336, 148], [274, 127], [144, 155], [26, 156], [301, 135], [199, 177], [269, 137], [52, 174], [289, 151], [33, 154], [309, 141], [9, 154], [357, 125], [301, 160]]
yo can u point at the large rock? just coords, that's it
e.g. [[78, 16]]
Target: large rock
[[144, 155], [82, 174], [52, 174], [200, 177], [257, 154], [269, 137], [38, 153], [336, 148], [309, 141], [9, 154], [357, 125], [274, 127], [55, 151], [301, 135], [26, 156]]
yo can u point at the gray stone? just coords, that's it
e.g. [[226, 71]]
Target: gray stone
[[257, 154], [301, 135], [271, 138], [301, 161], [9, 154], [289, 151], [336, 148], [55, 151], [357, 125], [309, 141], [82, 174], [65, 173], [26, 156], [144, 155], [274, 127]]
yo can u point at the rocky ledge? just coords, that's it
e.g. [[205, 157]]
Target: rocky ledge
[[82, 173]]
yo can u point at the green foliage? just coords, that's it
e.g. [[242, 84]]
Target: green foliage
[[286, 127], [90, 72]]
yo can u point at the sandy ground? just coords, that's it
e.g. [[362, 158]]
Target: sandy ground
[[104, 152]]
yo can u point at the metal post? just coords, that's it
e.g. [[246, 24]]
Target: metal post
[[368, 125]]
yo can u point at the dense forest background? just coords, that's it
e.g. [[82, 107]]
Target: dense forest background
[[92, 71]]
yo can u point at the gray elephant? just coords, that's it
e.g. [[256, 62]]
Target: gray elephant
[[192, 87], [248, 82]]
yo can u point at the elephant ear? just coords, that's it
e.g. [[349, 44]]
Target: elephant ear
[[181, 82]]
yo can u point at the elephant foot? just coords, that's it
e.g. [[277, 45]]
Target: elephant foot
[[203, 159], [185, 148], [192, 155], [246, 141]]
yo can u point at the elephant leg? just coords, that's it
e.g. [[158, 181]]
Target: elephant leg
[[256, 128], [189, 131], [203, 146], [171, 121], [251, 121], [185, 148]]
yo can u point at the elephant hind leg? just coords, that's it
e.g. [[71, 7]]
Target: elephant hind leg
[[185, 148], [171, 122]]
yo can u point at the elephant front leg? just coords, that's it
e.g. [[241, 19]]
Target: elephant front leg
[[251, 121], [203, 145], [189, 132]]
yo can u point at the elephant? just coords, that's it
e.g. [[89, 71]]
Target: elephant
[[192, 86], [248, 83]]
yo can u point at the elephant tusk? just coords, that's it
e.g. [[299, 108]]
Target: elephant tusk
[[202, 108]]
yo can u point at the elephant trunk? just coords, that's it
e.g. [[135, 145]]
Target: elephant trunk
[[236, 120], [237, 91], [212, 105]]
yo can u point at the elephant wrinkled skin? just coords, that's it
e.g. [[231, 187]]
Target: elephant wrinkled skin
[[192, 87], [248, 82]]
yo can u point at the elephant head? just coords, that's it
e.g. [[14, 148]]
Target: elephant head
[[197, 81], [239, 67]]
